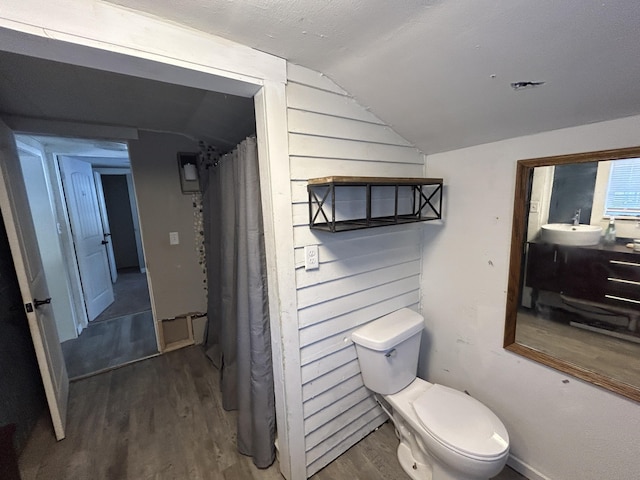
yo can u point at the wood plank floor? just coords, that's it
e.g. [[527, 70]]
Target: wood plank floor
[[612, 357], [162, 418]]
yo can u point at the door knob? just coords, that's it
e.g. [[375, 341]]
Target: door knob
[[38, 303]]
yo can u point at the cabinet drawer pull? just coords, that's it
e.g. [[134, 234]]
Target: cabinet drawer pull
[[622, 299], [628, 264], [621, 280]]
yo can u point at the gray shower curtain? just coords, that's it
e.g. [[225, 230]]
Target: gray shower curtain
[[238, 337]]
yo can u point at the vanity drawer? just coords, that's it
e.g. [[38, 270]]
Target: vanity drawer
[[625, 269], [623, 282], [621, 288]]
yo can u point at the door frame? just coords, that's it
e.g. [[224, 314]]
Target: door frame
[[101, 35], [53, 175]]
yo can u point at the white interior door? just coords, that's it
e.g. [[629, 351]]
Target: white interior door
[[33, 286], [105, 227], [88, 235]]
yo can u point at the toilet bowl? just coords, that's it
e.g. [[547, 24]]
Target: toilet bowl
[[459, 437], [444, 434]]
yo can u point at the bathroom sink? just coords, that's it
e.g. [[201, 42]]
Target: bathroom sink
[[568, 234]]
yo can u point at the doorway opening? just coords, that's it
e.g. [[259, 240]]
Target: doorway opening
[[83, 191], [227, 106]]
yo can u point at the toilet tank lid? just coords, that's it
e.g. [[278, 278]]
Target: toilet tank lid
[[388, 331]]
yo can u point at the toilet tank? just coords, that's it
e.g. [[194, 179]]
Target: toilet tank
[[388, 350]]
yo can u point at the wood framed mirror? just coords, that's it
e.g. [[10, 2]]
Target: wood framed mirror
[[573, 300]]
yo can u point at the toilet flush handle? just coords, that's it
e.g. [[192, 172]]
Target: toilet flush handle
[[391, 353]]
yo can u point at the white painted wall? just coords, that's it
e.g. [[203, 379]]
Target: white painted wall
[[560, 428], [363, 274], [175, 276]]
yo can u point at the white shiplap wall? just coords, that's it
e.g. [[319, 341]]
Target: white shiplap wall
[[363, 274]]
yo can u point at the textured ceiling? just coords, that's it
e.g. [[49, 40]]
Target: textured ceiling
[[440, 72]]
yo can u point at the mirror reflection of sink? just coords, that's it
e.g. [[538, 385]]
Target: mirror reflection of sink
[[568, 234]]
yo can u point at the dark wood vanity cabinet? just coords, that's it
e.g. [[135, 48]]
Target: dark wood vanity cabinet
[[607, 275]]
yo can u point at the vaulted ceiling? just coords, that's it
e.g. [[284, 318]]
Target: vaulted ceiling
[[440, 71]]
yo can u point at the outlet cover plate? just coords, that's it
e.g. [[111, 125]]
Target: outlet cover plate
[[311, 261]]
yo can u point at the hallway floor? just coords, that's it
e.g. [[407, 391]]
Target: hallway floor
[[110, 343], [162, 418], [123, 333], [131, 292]]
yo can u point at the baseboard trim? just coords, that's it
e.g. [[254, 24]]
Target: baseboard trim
[[115, 367], [524, 469]]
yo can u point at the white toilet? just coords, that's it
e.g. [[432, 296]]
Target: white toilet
[[444, 434]]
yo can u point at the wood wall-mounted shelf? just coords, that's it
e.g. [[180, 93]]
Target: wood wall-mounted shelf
[[338, 203]]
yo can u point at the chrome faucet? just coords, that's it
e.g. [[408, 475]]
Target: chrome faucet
[[576, 217]]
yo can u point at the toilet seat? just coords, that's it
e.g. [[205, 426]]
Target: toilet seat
[[461, 423]]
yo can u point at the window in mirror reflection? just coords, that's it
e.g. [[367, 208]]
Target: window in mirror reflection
[[623, 189], [572, 190]]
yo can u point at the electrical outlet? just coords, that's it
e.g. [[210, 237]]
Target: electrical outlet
[[311, 261], [534, 207], [174, 238]]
